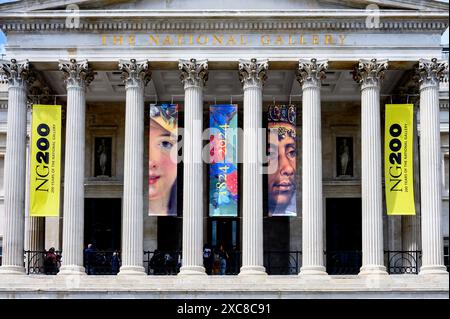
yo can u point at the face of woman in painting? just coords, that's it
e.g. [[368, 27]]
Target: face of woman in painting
[[162, 162], [282, 166]]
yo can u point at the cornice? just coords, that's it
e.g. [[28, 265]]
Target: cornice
[[223, 20]]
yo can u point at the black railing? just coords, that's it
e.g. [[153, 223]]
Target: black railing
[[104, 262], [42, 262], [282, 262], [162, 262], [343, 262], [446, 258], [276, 262], [95, 263], [403, 262]]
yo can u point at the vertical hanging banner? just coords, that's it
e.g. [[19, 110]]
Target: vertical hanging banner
[[223, 178], [45, 156], [398, 153], [282, 160], [162, 164]]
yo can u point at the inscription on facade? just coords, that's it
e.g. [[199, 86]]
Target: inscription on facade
[[223, 40]]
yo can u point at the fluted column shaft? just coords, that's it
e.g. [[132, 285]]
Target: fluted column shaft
[[310, 75], [34, 226], [77, 76], [15, 167], [253, 75], [193, 75], [430, 166], [135, 75], [133, 197], [371, 177], [369, 75]]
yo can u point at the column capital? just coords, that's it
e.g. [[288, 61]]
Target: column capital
[[311, 72], [193, 72], [253, 72], [430, 72], [369, 73], [135, 72], [17, 72], [76, 73]]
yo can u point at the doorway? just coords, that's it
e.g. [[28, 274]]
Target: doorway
[[226, 231], [344, 235], [170, 233], [223, 231], [103, 223]]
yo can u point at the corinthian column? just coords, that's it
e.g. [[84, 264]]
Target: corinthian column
[[369, 74], [77, 76], [15, 167], [34, 226], [310, 75], [431, 71], [194, 75], [252, 74], [136, 75]]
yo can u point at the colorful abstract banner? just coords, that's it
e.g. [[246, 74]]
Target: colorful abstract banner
[[223, 178], [398, 165], [162, 164], [282, 160], [45, 160]]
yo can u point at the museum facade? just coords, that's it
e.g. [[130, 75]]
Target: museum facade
[[322, 71]]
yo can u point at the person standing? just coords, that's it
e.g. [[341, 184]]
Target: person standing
[[208, 258], [115, 262], [223, 256], [89, 258], [51, 262]]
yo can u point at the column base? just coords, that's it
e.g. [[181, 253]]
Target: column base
[[192, 271], [372, 270], [433, 270], [313, 270], [12, 270], [72, 270], [252, 271], [131, 271]]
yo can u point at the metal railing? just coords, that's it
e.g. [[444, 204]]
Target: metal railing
[[343, 262], [282, 262], [403, 262], [162, 262], [95, 263], [276, 262], [446, 261], [104, 262], [39, 262]]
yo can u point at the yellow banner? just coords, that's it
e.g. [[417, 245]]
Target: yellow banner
[[398, 164], [45, 165]]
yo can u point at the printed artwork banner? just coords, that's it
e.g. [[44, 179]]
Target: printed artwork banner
[[223, 175], [398, 164], [162, 163], [282, 152], [45, 160]]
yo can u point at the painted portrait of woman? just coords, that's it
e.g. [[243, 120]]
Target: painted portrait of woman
[[162, 181]]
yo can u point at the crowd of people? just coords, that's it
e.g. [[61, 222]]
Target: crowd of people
[[216, 260]]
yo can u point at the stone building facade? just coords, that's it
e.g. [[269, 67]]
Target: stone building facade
[[105, 62]]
